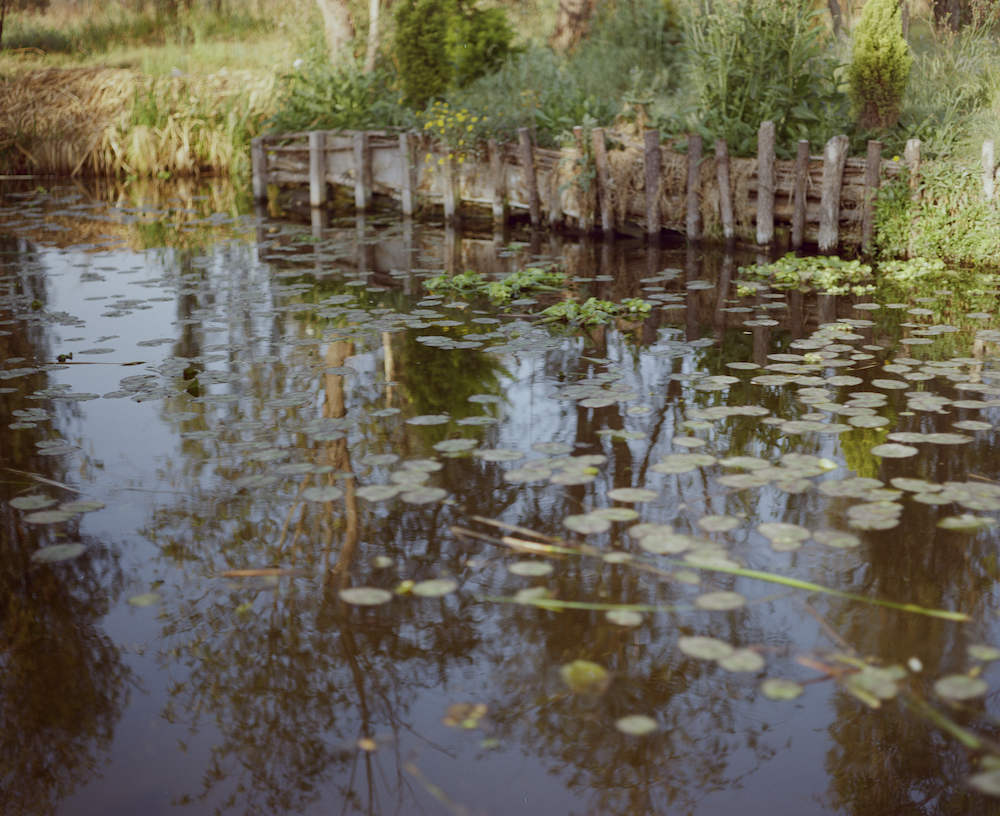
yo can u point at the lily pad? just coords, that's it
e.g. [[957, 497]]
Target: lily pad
[[632, 494], [145, 599], [624, 617], [365, 596], [894, 450], [966, 521], [57, 552], [586, 677], [960, 687], [434, 588], [780, 688], [376, 493], [33, 502], [720, 601], [981, 651], [322, 493], [530, 569], [743, 660], [704, 648], [424, 495], [636, 725], [587, 524], [49, 517], [429, 419], [718, 524], [836, 538], [499, 455]]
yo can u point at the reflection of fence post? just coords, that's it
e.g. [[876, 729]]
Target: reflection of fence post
[[603, 180], [989, 182], [407, 176], [317, 168], [451, 197], [530, 180], [765, 184], [653, 161], [834, 160], [496, 182], [801, 185], [693, 218], [258, 163], [725, 190], [362, 172], [873, 167]]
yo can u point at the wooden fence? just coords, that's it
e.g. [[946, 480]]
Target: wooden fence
[[633, 188]]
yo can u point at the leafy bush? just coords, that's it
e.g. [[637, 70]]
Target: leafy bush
[[880, 65], [761, 60], [327, 97], [444, 44]]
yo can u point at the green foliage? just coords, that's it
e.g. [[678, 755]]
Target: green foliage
[[323, 96], [880, 65], [759, 60], [596, 312], [828, 274], [950, 219], [502, 290], [444, 44]]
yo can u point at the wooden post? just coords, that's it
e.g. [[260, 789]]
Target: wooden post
[[873, 167], [653, 167], [725, 190], [530, 181], [911, 158], [258, 161], [586, 218], [408, 175], [693, 217], [801, 185], [496, 182], [834, 159], [317, 168], [451, 197], [603, 179], [765, 183], [989, 183], [555, 201], [362, 172]]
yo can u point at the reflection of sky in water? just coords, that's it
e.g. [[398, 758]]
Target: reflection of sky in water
[[133, 457]]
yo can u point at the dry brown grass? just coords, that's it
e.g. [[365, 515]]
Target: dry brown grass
[[105, 121]]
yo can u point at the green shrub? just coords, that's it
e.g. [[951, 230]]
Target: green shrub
[[880, 65], [760, 60], [443, 44]]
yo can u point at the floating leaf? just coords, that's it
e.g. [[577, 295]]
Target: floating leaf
[[892, 450], [434, 588], [987, 782], [34, 502], [779, 688], [456, 445], [704, 648], [718, 524], [425, 495], [743, 660], [720, 601], [499, 455], [836, 538], [632, 494], [49, 517], [587, 524], [145, 599], [616, 513], [783, 534], [365, 596], [429, 419], [322, 493], [966, 522], [960, 687], [57, 552], [376, 493], [636, 725], [624, 617], [531, 569], [980, 651], [552, 448], [585, 677]]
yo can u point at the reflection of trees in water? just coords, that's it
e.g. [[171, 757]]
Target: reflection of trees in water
[[63, 685]]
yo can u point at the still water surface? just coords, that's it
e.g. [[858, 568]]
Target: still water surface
[[259, 415]]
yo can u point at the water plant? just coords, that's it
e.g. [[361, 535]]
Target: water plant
[[825, 273], [595, 312]]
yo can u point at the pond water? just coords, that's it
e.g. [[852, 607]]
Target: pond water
[[284, 531]]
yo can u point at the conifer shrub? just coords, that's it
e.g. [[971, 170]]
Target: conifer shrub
[[880, 66]]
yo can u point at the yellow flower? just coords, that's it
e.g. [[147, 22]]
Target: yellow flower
[[427, 125], [440, 161], [469, 127], [895, 158], [475, 119], [451, 156], [429, 157], [461, 159]]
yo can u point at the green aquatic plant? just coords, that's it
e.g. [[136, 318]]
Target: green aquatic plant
[[825, 273], [596, 312], [502, 290]]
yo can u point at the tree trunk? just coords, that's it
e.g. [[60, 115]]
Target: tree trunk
[[572, 21], [373, 35], [836, 17], [338, 25]]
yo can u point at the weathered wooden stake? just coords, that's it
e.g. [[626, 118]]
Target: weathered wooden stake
[[801, 185], [765, 183], [408, 175], [362, 172], [451, 197], [586, 218], [530, 181], [653, 167], [317, 168], [725, 190], [555, 201], [834, 160], [911, 158], [873, 167], [989, 166], [496, 182], [603, 180], [692, 221], [258, 163]]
